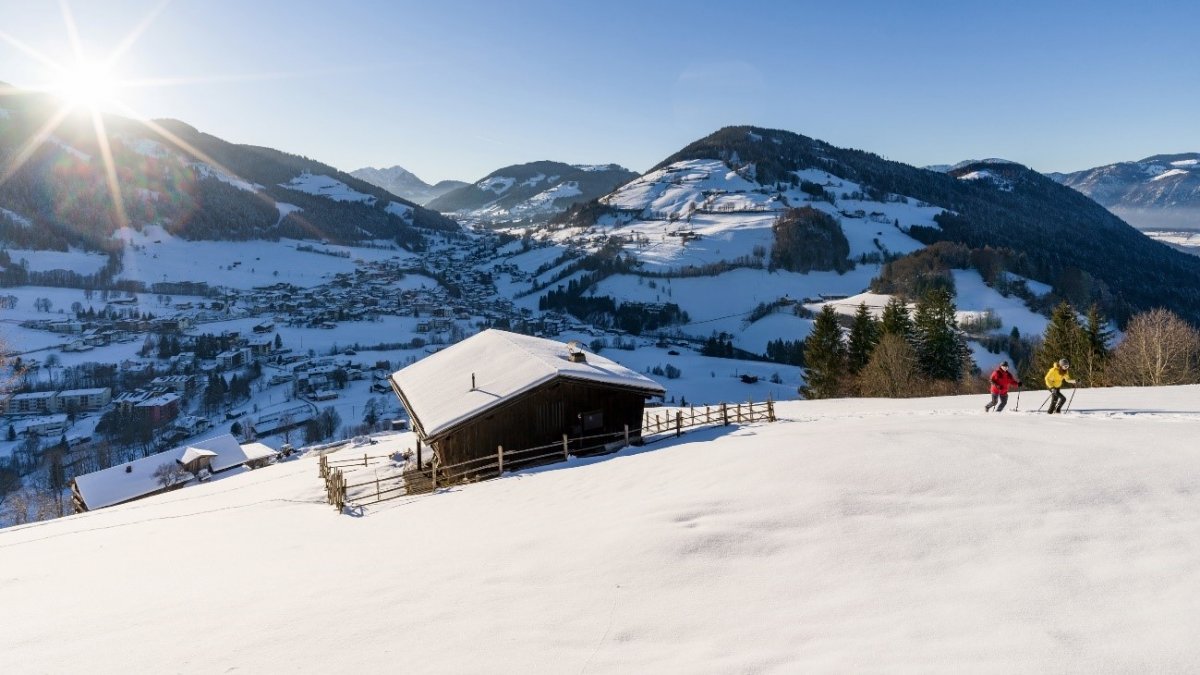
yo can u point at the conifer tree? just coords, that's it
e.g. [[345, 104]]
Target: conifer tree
[[1098, 335], [824, 356], [1064, 339], [942, 351], [864, 335], [896, 319]]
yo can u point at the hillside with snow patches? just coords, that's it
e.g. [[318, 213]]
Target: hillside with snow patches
[[193, 185], [852, 535], [699, 214], [530, 192]]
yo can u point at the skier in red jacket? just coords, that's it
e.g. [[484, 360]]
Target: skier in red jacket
[[1001, 381]]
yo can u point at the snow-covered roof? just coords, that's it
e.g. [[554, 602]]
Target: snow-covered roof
[[437, 389], [192, 454], [160, 400], [131, 480], [255, 451]]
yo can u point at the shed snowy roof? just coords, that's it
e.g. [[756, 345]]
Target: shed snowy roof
[[192, 454], [116, 485], [437, 389]]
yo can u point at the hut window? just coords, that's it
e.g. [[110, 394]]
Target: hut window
[[593, 420]]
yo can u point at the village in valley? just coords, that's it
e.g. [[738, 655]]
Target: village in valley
[[105, 378]]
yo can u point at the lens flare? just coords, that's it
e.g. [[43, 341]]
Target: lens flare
[[90, 85]]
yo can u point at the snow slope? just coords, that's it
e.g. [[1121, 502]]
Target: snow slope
[[724, 215], [928, 537], [154, 255]]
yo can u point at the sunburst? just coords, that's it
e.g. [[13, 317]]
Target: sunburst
[[91, 85]]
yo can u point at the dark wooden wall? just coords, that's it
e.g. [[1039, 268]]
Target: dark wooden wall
[[542, 416]]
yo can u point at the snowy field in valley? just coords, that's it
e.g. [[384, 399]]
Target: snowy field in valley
[[158, 256], [854, 535], [74, 260]]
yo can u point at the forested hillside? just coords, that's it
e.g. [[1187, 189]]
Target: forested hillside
[[1043, 230], [57, 191]]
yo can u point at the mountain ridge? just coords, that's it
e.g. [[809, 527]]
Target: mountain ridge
[[1095, 257], [193, 184], [533, 191], [1156, 192], [404, 183]]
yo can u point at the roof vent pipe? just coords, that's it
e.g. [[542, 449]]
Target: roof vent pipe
[[575, 352]]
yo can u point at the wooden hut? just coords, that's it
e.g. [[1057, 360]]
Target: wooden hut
[[505, 389]]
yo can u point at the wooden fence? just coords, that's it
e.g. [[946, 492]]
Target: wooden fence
[[401, 479]]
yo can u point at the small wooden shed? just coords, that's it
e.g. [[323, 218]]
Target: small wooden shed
[[505, 389]]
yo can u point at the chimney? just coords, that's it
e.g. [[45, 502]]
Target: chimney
[[575, 352]]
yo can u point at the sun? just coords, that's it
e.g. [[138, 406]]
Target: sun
[[88, 84]]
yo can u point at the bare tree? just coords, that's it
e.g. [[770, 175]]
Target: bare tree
[[891, 370], [286, 422], [16, 508], [1159, 349], [170, 473]]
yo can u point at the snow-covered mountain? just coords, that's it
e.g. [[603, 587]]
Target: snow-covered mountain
[[405, 184], [167, 174], [1160, 192], [910, 535], [531, 192], [712, 209]]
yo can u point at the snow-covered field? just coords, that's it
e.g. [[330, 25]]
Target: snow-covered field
[[73, 260], [854, 535], [158, 256]]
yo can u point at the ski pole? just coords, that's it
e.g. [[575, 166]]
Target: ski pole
[[1073, 388], [1017, 408], [1044, 402]]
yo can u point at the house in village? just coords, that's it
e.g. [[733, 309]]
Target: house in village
[[505, 389], [129, 481], [45, 402]]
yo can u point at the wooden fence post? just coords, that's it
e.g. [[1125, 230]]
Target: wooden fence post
[[364, 459], [500, 458], [657, 423], [725, 413], [707, 415], [627, 435], [770, 410], [739, 413], [433, 476], [566, 449], [678, 423]]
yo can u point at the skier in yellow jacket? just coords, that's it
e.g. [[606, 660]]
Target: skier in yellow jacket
[[1055, 378]]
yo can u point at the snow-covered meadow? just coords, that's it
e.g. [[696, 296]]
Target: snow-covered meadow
[[853, 535], [153, 255]]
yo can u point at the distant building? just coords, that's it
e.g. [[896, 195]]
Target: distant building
[[135, 480], [85, 400], [233, 358], [47, 402], [158, 410]]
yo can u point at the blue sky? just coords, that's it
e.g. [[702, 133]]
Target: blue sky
[[456, 89]]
